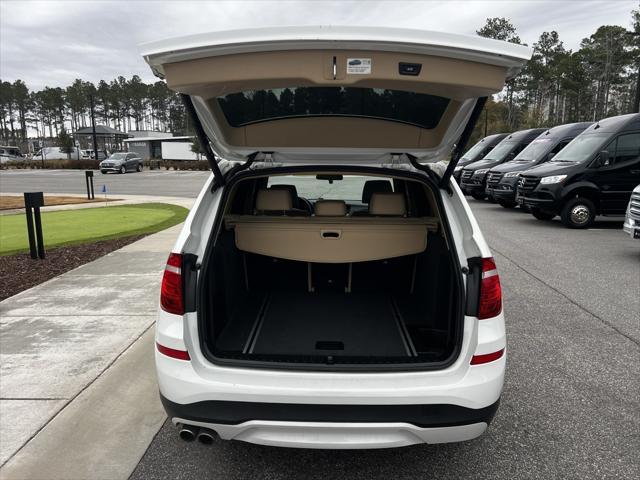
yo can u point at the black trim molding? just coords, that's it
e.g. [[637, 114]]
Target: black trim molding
[[234, 413]]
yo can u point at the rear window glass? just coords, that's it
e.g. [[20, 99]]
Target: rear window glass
[[349, 189], [254, 106]]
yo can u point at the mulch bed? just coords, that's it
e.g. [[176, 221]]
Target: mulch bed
[[19, 272], [12, 202]]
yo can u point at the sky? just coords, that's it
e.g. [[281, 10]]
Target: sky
[[51, 43]]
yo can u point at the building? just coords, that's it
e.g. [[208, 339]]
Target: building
[[109, 139], [162, 148]]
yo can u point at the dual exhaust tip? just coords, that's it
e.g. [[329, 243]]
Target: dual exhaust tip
[[189, 433]]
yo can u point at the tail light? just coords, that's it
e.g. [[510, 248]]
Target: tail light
[[173, 353], [490, 291], [171, 292], [487, 357]]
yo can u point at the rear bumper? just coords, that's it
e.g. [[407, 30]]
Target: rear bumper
[[334, 426]]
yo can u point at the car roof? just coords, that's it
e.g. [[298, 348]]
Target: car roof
[[522, 135], [615, 124], [568, 129]]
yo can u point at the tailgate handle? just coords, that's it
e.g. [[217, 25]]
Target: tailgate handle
[[330, 234]]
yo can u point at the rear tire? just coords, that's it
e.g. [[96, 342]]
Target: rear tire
[[123, 169], [507, 204], [139, 168], [541, 215], [104, 172], [478, 196], [578, 212]]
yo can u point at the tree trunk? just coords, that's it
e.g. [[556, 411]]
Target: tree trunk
[[636, 103]]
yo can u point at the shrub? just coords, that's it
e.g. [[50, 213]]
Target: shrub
[[177, 164], [53, 164]]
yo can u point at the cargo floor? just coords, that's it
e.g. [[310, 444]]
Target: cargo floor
[[323, 323]]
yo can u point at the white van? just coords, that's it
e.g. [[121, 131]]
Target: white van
[[56, 153], [10, 154], [331, 287]]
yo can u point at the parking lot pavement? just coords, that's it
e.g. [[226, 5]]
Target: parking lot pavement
[[60, 342], [149, 182], [571, 403]]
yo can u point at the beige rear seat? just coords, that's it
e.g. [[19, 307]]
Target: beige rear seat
[[387, 204], [273, 201], [330, 208]]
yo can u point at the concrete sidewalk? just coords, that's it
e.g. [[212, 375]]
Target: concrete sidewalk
[[61, 345]]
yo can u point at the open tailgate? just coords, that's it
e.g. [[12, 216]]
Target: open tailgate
[[334, 94]]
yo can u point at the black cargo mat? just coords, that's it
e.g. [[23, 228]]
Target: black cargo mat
[[328, 323]]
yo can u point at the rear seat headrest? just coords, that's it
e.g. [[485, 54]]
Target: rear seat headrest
[[391, 204], [330, 208], [291, 188], [273, 200], [375, 186]]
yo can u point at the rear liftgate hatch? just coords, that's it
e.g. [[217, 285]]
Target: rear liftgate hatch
[[334, 95]]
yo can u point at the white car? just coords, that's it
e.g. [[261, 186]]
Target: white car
[[632, 219], [10, 154], [56, 153], [331, 287]]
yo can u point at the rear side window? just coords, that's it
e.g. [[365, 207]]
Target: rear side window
[[422, 110]]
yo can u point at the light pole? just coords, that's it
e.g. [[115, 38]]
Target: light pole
[[93, 128]]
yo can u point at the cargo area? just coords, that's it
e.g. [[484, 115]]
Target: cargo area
[[326, 304]]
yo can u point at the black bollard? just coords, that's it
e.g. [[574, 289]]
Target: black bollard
[[32, 203], [88, 176]]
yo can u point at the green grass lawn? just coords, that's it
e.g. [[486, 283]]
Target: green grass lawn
[[68, 227]]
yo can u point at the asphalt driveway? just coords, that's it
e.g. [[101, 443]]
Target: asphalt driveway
[[570, 407]]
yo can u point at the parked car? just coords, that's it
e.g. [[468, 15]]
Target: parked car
[[502, 180], [474, 176], [56, 153], [102, 154], [10, 154], [632, 219], [593, 175], [86, 154], [330, 287], [121, 162], [477, 152]]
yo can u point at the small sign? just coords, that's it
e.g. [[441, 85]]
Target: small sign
[[358, 66]]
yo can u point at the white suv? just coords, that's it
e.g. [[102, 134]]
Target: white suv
[[331, 287]]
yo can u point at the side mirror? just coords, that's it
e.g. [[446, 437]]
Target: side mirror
[[603, 159], [551, 155]]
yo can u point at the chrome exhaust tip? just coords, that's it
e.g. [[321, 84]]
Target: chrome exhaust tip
[[206, 437], [188, 433]]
